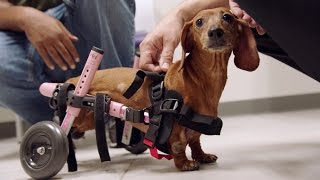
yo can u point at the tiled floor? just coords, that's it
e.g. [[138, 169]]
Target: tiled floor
[[275, 145]]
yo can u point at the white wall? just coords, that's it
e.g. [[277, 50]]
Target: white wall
[[144, 19], [271, 79]]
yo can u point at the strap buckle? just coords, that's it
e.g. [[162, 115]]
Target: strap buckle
[[170, 106], [152, 133], [135, 116], [157, 91]]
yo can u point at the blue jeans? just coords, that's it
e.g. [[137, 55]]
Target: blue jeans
[[106, 24]]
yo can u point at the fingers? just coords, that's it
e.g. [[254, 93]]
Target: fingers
[[67, 41], [150, 62], [260, 30], [73, 38], [237, 11], [235, 8], [166, 57], [246, 17], [66, 55], [60, 54], [43, 53], [63, 51], [157, 53], [157, 48], [253, 23], [71, 49], [146, 60], [56, 57], [148, 55]]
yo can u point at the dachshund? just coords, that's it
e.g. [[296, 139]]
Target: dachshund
[[208, 39]]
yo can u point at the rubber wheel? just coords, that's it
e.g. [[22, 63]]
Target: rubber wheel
[[136, 143], [44, 150]]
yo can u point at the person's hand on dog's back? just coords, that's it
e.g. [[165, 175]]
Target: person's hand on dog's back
[[156, 50], [158, 47], [51, 39]]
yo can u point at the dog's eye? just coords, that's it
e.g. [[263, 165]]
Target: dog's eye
[[227, 17], [199, 23]]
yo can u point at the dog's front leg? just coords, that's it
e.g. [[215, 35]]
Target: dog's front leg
[[178, 144], [196, 150]]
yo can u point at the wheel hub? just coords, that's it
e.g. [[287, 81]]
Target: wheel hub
[[41, 150], [38, 150]]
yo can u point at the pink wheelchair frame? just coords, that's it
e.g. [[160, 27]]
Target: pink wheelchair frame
[[44, 148]]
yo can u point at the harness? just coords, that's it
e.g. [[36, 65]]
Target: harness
[[167, 105]]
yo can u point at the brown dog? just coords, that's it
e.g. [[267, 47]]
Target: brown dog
[[200, 78]]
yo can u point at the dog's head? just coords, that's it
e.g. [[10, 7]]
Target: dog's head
[[218, 30]]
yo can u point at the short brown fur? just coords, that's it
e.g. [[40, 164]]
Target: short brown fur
[[200, 79]]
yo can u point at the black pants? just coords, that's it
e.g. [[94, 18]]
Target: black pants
[[294, 27]]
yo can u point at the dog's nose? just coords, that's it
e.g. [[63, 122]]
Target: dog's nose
[[215, 33]]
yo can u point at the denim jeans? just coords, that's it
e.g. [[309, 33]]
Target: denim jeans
[[108, 25]]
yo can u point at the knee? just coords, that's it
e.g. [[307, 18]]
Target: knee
[[26, 102], [15, 58]]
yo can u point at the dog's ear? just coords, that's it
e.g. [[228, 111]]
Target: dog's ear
[[186, 42], [245, 51]]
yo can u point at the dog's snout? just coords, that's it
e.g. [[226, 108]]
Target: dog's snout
[[215, 33]]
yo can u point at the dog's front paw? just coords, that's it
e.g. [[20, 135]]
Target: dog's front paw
[[205, 158], [189, 165]]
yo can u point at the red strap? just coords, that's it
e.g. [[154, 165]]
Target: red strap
[[148, 142], [154, 153]]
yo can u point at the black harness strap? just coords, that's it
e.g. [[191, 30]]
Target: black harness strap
[[156, 93], [63, 96], [100, 116], [162, 114], [139, 79], [98, 104], [137, 83], [201, 123], [137, 116], [72, 160], [166, 106], [61, 107]]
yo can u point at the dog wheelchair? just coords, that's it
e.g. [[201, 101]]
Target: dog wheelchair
[[47, 145]]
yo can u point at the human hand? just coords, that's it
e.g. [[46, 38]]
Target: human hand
[[51, 39], [158, 47], [237, 11]]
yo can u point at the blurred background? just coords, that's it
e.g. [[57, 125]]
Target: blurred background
[[272, 79], [271, 124]]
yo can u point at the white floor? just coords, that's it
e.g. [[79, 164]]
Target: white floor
[[276, 145]]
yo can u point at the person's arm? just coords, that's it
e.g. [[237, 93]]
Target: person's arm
[[158, 47], [10, 16], [51, 39]]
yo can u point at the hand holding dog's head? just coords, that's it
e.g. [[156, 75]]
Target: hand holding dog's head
[[218, 30]]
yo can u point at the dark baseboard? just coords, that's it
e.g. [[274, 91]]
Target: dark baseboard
[[7, 129], [276, 104]]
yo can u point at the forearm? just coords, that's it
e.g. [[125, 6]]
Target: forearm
[[189, 8], [11, 17], [4, 3]]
